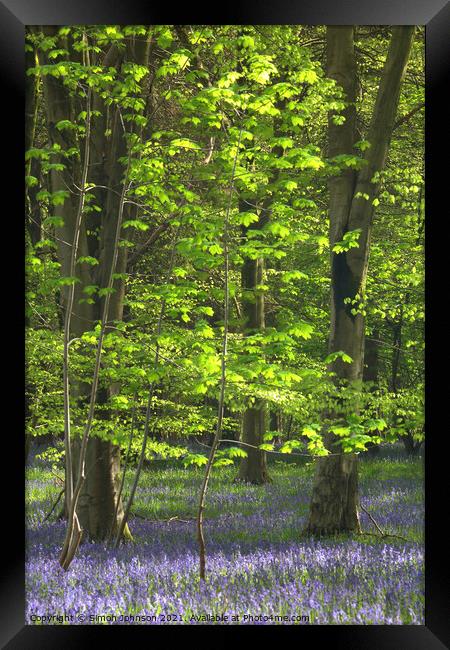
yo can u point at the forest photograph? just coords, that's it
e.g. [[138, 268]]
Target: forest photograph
[[224, 324]]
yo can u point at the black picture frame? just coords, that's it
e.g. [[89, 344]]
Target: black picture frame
[[435, 14]]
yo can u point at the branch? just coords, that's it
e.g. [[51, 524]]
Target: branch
[[111, 57], [210, 150], [55, 504], [156, 233], [408, 116], [382, 533], [372, 520]]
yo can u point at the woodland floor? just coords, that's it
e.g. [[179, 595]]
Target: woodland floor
[[258, 564]]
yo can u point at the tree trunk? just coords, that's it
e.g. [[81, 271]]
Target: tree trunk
[[333, 506], [98, 498], [253, 468], [412, 447], [32, 167], [370, 374], [334, 501]]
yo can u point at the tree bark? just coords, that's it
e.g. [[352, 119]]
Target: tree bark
[[98, 499], [253, 468], [334, 501]]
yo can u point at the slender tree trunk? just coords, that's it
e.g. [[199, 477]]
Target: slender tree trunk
[[253, 468], [34, 233], [334, 501], [370, 374], [32, 167], [411, 446]]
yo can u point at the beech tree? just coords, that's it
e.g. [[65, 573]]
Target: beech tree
[[85, 193], [334, 500]]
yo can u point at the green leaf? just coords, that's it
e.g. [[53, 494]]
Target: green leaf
[[246, 218], [67, 281], [105, 291], [350, 240], [57, 222], [335, 355], [135, 223], [288, 276], [65, 124], [195, 459], [59, 197], [340, 431], [215, 249], [87, 259], [236, 452], [266, 447], [90, 289], [209, 311], [301, 330]]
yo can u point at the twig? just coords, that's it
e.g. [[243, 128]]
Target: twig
[[60, 479], [382, 533], [408, 116], [55, 504], [372, 520], [364, 533], [275, 451], [167, 521]]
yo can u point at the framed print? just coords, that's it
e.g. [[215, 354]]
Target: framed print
[[227, 396]]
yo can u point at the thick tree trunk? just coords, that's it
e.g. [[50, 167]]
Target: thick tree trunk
[[370, 372], [32, 224], [333, 506], [98, 498], [334, 501], [253, 468]]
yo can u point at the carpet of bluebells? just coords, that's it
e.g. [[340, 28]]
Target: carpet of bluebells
[[260, 570]]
